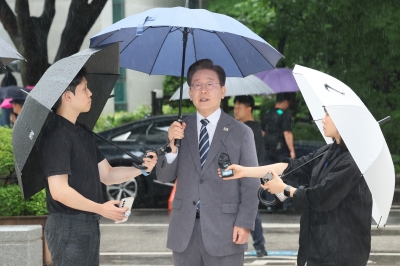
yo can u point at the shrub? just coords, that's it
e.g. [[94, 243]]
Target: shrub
[[6, 151], [120, 118], [13, 204]]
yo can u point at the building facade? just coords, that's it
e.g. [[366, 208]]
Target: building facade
[[134, 88]]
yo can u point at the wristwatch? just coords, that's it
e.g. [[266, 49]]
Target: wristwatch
[[286, 192]]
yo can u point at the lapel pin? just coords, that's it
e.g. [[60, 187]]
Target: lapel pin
[[225, 129]]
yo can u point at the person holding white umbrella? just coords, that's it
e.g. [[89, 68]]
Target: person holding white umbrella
[[333, 197]]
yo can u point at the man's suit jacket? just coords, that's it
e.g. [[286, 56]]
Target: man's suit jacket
[[224, 204]]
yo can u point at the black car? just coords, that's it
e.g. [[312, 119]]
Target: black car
[[138, 137], [149, 134]]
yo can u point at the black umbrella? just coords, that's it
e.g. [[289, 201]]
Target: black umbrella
[[102, 66], [14, 92]]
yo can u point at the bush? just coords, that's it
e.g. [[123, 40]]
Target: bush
[[6, 151], [13, 204], [120, 118]]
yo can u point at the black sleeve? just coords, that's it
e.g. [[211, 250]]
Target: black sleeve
[[263, 123], [328, 194], [99, 155], [56, 155], [286, 122]]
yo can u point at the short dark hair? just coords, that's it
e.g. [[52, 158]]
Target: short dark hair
[[206, 64], [285, 96], [8, 80], [247, 100], [71, 87]]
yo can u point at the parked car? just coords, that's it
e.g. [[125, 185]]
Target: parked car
[[149, 134], [138, 137]]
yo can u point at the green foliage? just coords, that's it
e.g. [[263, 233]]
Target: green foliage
[[13, 204], [120, 118], [6, 151], [396, 162], [170, 85], [355, 41]]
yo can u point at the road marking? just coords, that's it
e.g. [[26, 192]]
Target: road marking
[[134, 225], [135, 253], [264, 225], [272, 253], [384, 254], [273, 257], [275, 262]]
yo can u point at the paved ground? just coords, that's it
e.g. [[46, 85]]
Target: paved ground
[[141, 241]]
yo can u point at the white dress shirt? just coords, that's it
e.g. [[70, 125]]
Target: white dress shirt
[[211, 126]]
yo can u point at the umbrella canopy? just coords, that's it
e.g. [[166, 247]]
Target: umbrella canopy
[[151, 42], [102, 66], [13, 92], [234, 86], [8, 53], [279, 80], [359, 130], [166, 41]]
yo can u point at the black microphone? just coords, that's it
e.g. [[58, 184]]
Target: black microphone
[[224, 161]]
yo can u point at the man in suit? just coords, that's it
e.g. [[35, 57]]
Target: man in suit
[[211, 219]]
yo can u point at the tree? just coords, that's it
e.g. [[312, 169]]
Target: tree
[[352, 40], [29, 34]]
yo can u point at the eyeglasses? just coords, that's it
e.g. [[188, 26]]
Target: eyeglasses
[[198, 86]]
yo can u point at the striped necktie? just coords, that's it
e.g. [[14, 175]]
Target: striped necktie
[[204, 144]]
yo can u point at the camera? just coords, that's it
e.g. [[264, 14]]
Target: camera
[[269, 177], [224, 161]]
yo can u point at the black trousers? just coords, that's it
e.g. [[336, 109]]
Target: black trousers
[[73, 239]]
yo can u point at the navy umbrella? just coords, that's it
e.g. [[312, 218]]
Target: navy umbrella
[[166, 41]]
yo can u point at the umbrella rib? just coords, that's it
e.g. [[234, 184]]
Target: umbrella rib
[[194, 44], [134, 38], [162, 44], [230, 53], [259, 52]]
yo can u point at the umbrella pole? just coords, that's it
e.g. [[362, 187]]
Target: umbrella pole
[[121, 149], [184, 39]]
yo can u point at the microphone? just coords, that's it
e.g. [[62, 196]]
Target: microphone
[[223, 162]]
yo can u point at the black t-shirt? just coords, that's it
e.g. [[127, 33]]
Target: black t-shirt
[[274, 123], [258, 139], [66, 148]]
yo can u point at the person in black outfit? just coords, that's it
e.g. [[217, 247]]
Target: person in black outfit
[[243, 112], [73, 170], [277, 131], [278, 139], [333, 198]]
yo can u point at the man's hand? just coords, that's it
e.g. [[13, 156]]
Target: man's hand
[[240, 235], [108, 210], [176, 131]]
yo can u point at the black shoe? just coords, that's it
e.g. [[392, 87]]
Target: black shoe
[[261, 253]]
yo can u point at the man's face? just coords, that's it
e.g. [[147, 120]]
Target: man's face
[[208, 98], [241, 111], [82, 100]]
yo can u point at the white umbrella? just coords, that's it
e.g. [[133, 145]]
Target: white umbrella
[[249, 85], [359, 130]]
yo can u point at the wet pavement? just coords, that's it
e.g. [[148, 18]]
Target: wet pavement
[[142, 240]]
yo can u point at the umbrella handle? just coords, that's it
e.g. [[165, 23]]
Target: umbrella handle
[[177, 142]]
